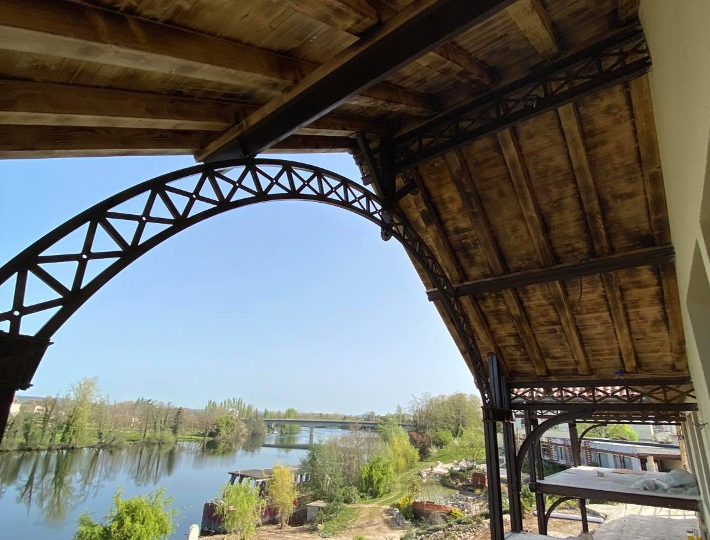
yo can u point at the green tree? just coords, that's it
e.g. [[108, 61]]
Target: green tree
[[240, 508], [616, 432], [145, 517], [376, 477], [473, 441], [443, 438], [282, 490], [290, 429], [177, 421], [83, 394]]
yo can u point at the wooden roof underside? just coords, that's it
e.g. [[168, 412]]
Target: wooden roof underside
[[577, 183]]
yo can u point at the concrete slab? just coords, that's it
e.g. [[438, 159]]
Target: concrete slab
[[645, 528]]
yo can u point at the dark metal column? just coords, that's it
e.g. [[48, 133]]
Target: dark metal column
[[19, 357], [537, 470], [514, 482], [495, 502], [577, 462]]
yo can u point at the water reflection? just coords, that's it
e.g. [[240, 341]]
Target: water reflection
[[57, 482]]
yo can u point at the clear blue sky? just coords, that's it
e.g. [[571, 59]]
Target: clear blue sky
[[283, 304]]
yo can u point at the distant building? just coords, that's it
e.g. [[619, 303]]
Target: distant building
[[32, 407], [15, 407]]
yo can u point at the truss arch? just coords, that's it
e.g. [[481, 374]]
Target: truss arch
[[143, 216]]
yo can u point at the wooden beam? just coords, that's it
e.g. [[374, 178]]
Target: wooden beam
[[479, 221], [54, 141], [48, 104], [451, 263], [407, 36], [595, 220], [81, 32], [358, 16], [656, 196], [533, 218], [627, 9], [534, 22], [610, 263]]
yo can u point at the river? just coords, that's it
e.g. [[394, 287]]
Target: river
[[42, 494]]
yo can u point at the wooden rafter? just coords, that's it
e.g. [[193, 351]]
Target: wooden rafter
[[534, 22], [533, 218], [595, 220], [656, 197], [358, 16], [450, 261], [59, 141], [627, 9], [81, 32], [618, 261], [48, 104], [407, 36], [479, 221]]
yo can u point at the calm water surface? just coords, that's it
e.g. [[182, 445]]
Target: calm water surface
[[42, 494]]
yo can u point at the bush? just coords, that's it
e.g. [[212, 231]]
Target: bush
[[375, 477], [240, 508], [443, 438], [422, 442], [145, 517], [404, 505], [527, 499], [455, 514], [350, 495], [359, 537]]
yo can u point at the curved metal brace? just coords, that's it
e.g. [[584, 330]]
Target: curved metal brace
[[219, 187], [590, 428], [555, 505], [536, 433]]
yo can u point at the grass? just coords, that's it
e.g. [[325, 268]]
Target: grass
[[341, 521]]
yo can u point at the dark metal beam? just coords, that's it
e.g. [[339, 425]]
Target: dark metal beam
[[611, 263], [623, 56], [402, 39]]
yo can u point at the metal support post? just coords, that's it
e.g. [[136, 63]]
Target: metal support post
[[495, 502], [577, 462], [19, 358], [537, 471]]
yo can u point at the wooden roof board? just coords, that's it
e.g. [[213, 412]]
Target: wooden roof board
[[609, 130], [506, 334]]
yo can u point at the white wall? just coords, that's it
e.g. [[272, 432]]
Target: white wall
[[678, 33]]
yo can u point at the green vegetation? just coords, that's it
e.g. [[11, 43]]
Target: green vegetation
[[145, 517], [376, 477], [404, 505], [85, 417], [240, 509], [282, 490], [335, 519], [616, 432]]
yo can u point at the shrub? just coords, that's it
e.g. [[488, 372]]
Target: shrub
[[527, 499], [404, 505], [145, 517], [455, 514], [350, 495], [282, 489], [240, 509], [422, 442], [443, 438], [375, 477]]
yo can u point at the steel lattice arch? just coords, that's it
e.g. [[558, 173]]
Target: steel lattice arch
[[217, 187]]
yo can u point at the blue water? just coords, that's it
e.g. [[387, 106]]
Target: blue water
[[42, 494]]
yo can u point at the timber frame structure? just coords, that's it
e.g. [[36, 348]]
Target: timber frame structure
[[509, 145]]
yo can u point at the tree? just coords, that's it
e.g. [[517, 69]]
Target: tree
[[376, 476], [616, 432], [177, 421], [282, 489], [473, 440], [82, 396], [145, 517], [240, 508]]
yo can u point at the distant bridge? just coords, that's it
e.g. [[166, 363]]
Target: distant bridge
[[342, 424]]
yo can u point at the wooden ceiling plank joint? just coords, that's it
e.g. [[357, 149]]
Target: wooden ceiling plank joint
[[574, 137], [533, 218], [532, 19], [450, 261], [656, 196], [479, 222]]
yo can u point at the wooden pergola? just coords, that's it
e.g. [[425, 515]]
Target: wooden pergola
[[510, 145]]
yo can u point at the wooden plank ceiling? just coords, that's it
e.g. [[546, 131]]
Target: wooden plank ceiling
[[513, 216]]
